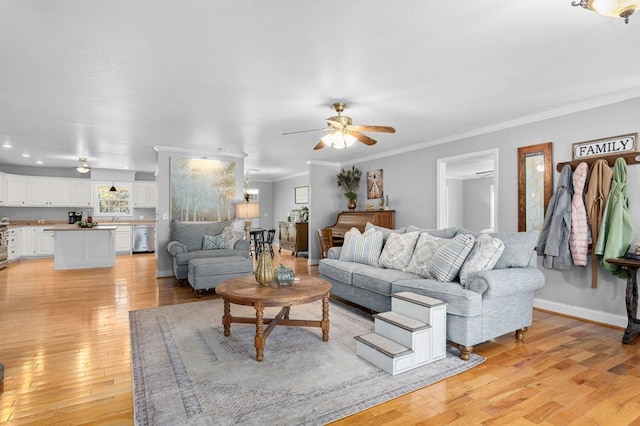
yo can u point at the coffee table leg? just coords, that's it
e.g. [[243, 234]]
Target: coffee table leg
[[325, 318], [226, 318], [259, 339]]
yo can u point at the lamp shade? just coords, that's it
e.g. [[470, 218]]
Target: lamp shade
[[247, 210]]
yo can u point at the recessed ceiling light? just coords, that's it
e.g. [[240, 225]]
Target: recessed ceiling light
[[39, 162], [7, 145], [25, 155]]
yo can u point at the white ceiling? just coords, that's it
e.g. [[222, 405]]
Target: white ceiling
[[109, 80]]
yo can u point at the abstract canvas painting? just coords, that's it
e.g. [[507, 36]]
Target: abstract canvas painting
[[202, 190]]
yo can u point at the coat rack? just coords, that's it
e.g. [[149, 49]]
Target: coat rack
[[629, 158]]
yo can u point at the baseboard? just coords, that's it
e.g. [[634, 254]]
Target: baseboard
[[163, 274], [583, 313]]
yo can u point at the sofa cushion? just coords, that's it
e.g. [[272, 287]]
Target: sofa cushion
[[385, 231], [212, 242], [518, 247], [483, 256], [340, 271], [448, 259], [442, 233], [190, 233], [398, 250], [378, 280], [459, 301], [426, 247], [362, 248]]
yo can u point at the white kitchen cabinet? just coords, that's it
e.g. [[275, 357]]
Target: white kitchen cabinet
[[3, 189], [81, 193], [145, 194], [27, 246], [43, 241], [123, 239], [15, 244], [48, 192], [16, 190]]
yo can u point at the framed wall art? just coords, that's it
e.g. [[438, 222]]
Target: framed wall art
[[374, 184], [301, 194], [535, 181]]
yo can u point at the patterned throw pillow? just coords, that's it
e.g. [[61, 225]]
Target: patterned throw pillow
[[230, 237], [483, 256], [212, 243], [426, 247], [447, 261], [362, 248], [398, 250]]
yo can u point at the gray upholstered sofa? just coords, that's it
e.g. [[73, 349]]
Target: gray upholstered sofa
[[187, 243], [492, 303]]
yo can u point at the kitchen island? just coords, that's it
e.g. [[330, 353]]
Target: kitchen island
[[77, 248]]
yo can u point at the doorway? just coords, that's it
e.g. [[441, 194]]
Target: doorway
[[467, 188]]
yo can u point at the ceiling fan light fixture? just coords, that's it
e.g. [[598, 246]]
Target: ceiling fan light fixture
[[339, 140], [616, 8], [83, 167]]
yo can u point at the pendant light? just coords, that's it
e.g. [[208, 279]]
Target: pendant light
[[82, 167]]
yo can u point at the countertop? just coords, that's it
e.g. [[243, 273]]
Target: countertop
[[17, 223], [68, 227]]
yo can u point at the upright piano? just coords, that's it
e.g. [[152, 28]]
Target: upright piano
[[358, 219]]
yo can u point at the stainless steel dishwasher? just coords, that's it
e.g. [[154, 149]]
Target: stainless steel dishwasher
[[143, 238]]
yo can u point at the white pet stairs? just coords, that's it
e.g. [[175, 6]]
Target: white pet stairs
[[412, 334]]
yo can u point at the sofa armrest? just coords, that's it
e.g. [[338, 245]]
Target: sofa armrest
[[241, 245], [176, 247], [334, 253], [507, 282]]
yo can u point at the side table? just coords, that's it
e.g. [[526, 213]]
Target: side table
[[630, 266]]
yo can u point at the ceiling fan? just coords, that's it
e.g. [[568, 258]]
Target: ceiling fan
[[343, 132]]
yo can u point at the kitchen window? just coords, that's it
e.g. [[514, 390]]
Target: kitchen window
[[113, 203]]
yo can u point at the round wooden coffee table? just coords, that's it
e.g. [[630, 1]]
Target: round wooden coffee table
[[246, 291]]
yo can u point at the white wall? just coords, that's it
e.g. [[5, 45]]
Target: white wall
[[476, 214]]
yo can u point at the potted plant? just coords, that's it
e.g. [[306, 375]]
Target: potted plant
[[349, 181]]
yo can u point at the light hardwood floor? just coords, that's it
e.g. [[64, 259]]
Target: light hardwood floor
[[64, 341]]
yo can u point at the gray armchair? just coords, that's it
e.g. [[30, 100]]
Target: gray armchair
[[186, 244]]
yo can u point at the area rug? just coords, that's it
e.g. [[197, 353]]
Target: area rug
[[185, 371]]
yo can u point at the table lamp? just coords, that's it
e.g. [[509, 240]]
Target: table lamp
[[247, 211]]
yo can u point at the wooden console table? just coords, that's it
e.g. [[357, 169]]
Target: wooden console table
[[630, 266]]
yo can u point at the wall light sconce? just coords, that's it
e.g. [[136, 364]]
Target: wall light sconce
[[83, 167], [622, 8]]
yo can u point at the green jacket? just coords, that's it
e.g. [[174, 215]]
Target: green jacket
[[617, 231]]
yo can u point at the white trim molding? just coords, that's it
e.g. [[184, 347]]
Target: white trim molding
[[582, 313]]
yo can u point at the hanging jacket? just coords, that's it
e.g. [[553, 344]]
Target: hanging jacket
[[596, 196], [579, 236], [617, 231], [553, 243]]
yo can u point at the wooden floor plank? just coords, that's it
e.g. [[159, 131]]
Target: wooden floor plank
[[66, 349]]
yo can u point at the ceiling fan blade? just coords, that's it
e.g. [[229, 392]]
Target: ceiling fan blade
[[364, 138], [307, 131], [320, 145], [367, 128], [336, 124]]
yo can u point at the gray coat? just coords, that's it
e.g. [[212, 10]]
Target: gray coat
[[553, 243]]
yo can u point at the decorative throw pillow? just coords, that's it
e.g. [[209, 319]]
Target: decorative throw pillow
[[426, 247], [362, 248], [518, 247], [398, 250], [230, 237], [212, 242], [440, 233], [483, 256], [385, 231], [447, 261]]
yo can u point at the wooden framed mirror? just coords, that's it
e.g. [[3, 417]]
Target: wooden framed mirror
[[535, 185]]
